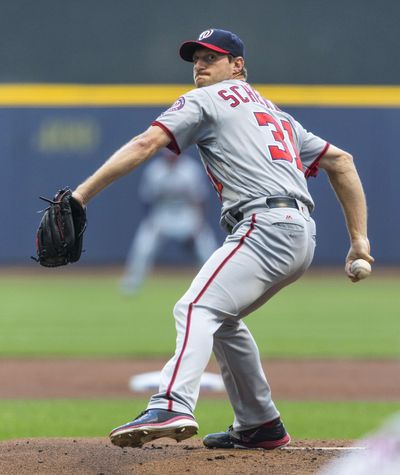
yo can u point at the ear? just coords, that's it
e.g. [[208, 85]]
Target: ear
[[238, 64]]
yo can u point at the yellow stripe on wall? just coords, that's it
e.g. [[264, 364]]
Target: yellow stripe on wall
[[332, 96], [80, 95], [90, 95]]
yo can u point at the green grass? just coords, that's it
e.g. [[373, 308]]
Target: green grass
[[61, 315], [83, 418]]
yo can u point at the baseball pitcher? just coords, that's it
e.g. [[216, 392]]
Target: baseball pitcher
[[258, 159]]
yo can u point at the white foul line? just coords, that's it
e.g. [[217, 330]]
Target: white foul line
[[323, 448]]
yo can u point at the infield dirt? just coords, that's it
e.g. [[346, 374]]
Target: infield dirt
[[99, 457], [298, 380], [318, 380]]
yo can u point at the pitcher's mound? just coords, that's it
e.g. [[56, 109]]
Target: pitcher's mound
[[97, 456]]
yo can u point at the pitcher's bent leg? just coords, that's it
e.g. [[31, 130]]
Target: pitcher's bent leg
[[180, 377], [198, 315]]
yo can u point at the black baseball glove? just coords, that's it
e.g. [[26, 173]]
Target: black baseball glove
[[60, 234]]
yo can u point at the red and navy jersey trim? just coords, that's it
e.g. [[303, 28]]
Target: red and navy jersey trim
[[312, 170], [173, 145]]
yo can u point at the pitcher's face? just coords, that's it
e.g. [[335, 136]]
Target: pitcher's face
[[210, 67]]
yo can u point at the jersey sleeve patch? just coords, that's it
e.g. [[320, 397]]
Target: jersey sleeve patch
[[178, 104]]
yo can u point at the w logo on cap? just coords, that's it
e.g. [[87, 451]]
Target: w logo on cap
[[205, 34]]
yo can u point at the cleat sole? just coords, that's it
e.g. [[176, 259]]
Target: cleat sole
[[136, 437]]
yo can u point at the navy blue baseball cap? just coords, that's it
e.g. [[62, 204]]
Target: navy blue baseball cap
[[220, 41]]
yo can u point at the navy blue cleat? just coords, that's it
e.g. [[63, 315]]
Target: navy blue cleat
[[270, 435], [154, 424]]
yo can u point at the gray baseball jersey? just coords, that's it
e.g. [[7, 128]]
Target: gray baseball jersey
[[251, 150], [249, 147]]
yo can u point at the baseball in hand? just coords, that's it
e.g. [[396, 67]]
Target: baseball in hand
[[360, 268]]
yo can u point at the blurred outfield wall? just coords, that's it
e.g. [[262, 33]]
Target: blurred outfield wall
[[46, 144], [52, 137], [125, 41]]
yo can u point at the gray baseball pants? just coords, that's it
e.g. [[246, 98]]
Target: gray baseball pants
[[265, 252]]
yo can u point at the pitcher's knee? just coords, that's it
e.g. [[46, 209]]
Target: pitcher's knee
[[201, 317], [181, 309]]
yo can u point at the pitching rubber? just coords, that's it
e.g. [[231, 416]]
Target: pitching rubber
[[135, 436]]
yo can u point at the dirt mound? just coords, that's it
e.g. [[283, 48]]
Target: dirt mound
[[99, 457]]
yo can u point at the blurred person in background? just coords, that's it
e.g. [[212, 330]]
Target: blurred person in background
[[175, 192]]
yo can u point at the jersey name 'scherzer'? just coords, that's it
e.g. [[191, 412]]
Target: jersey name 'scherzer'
[[248, 146]]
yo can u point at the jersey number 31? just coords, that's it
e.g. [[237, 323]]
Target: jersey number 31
[[281, 150]]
